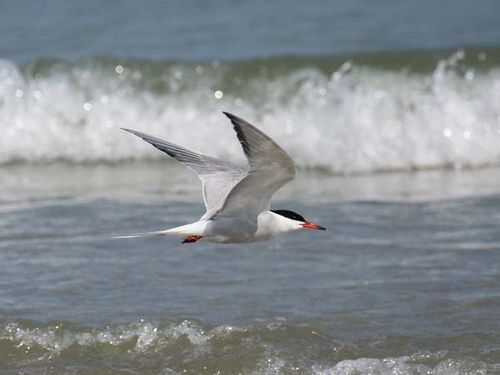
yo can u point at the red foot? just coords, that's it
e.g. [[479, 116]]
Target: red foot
[[191, 239]]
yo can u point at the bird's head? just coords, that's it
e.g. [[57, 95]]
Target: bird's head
[[298, 220]]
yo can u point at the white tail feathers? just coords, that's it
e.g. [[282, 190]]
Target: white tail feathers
[[147, 234], [193, 229]]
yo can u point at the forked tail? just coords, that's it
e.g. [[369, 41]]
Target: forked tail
[[147, 234], [193, 229]]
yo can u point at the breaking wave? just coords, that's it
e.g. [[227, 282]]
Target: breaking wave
[[187, 347], [416, 111]]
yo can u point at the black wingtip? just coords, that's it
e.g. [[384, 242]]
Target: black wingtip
[[231, 116], [236, 121]]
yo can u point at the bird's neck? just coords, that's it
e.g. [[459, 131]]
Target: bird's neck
[[281, 224]]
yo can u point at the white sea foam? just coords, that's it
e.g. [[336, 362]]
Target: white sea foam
[[402, 366], [146, 338], [57, 338], [358, 119]]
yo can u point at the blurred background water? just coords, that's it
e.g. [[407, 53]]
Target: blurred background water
[[391, 111]]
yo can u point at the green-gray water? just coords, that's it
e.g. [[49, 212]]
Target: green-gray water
[[391, 112]]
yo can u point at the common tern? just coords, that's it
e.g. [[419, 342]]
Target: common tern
[[237, 199]]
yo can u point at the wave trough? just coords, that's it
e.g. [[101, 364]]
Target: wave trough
[[344, 117]]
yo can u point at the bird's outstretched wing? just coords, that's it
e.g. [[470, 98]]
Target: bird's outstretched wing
[[218, 177], [270, 168]]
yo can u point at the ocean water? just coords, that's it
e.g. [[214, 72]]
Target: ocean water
[[392, 114]]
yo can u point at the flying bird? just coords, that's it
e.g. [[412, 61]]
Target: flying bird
[[237, 199]]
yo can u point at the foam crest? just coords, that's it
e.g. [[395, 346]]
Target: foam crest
[[402, 366], [355, 118], [143, 336], [271, 348]]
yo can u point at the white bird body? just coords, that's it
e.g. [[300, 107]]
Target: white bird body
[[237, 200]]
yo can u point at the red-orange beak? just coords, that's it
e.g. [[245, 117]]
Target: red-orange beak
[[308, 225]]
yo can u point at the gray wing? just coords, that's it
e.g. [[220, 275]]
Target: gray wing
[[270, 168], [218, 177]]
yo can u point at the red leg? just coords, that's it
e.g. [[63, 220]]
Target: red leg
[[191, 239]]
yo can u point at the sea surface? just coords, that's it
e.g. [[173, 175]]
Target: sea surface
[[392, 114]]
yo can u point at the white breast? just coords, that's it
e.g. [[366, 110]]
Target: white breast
[[238, 229]]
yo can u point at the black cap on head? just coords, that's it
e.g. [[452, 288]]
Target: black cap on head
[[289, 214]]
